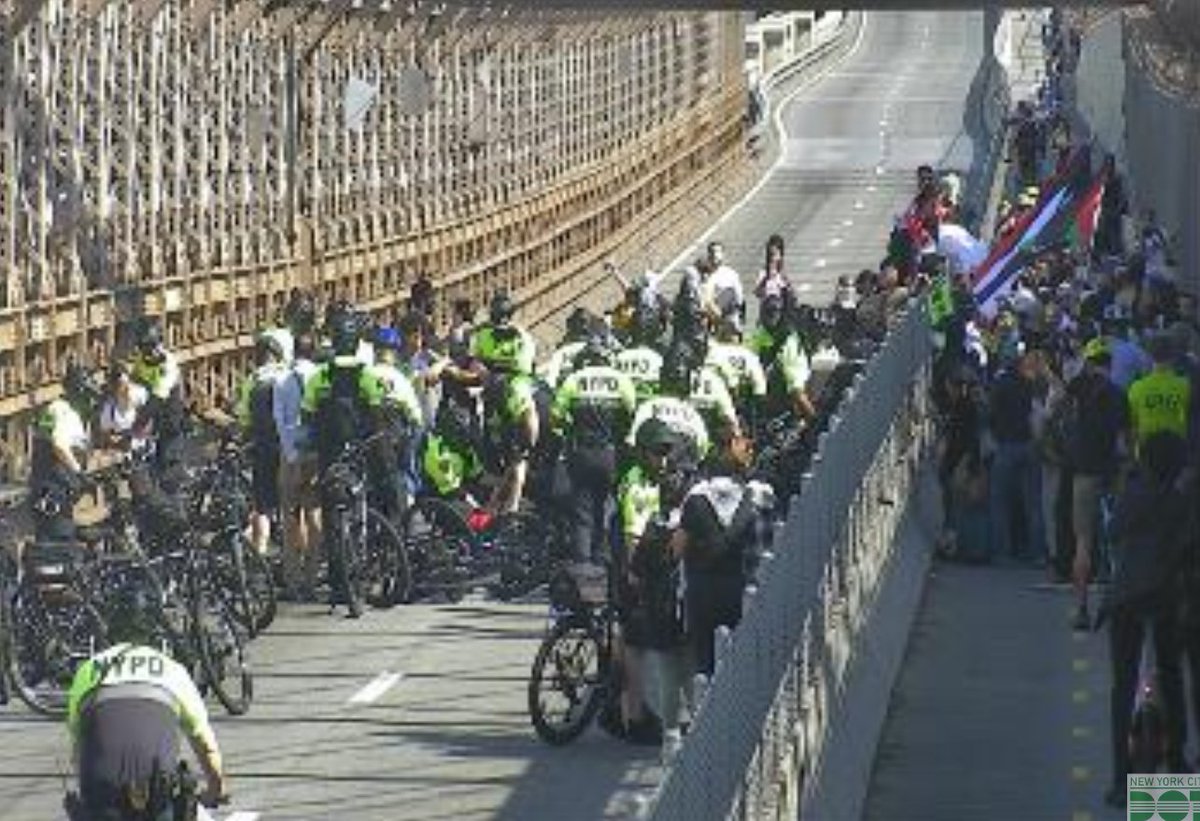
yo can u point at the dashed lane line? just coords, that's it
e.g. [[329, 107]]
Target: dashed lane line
[[379, 685]]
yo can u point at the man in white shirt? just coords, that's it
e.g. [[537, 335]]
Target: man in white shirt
[[719, 279], [298, 502]]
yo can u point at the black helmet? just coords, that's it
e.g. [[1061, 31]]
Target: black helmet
[[502, 309], [343, 334], [647, 324], [655, 435], [579, 324], [595, 351], [148, 336], [675, 376]]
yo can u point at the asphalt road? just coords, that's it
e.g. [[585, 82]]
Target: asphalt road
[[419, 712]]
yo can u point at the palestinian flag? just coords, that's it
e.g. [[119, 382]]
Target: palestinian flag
[[1083, 228], [1043, 226]]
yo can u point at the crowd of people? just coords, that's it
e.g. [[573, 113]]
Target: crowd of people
[[1070, 425]]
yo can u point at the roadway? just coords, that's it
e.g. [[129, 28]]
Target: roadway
[[419, 712]]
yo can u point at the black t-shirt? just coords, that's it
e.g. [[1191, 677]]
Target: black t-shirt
[[1101, 414], [1011, 409]]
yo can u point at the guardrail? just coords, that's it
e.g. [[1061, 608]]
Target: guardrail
[[758, 735]]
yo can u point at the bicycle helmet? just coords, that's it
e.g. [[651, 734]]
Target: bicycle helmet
[[656, 436], [343, 335], [502, 308], [579, 325], [148, 336], [388, 338], [595, 352]]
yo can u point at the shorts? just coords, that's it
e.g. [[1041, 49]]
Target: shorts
[[1086, 490], [297, 484]]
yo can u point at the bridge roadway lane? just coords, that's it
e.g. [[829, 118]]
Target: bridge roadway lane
[[419, 713]]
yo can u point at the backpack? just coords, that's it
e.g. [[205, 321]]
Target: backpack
[[343, 416], [263, 430]]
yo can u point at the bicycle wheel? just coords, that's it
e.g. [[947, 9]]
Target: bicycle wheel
[[248, 583], [436, 538], [219, 646], [45, 644], [522, 541], [386, 573], [345, 578], [568, 681]]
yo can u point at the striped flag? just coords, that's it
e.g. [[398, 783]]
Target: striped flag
[[1083, 228], [1042, 227]]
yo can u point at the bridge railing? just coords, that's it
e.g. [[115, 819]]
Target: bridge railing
[[756, 746]]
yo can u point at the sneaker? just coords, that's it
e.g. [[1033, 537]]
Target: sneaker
[[672, 743], [1082, 620]]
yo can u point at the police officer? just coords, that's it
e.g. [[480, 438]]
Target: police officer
[[580, 327], [785, 362], [741, 368], [592, 410], [126, 708], [1160, 401], [60, 444], [500, 342], [641, 361], [672, 406], [258, 411], [157, 370]]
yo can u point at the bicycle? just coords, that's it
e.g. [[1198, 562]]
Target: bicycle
[[577, 662], [368, 561]]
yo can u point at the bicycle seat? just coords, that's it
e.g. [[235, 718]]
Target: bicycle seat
[[92, 535]]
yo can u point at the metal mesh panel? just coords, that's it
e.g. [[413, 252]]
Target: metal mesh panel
[[755, 746]]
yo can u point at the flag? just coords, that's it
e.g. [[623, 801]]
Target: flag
[[1083, 228], [1042, 227], [961, 247]]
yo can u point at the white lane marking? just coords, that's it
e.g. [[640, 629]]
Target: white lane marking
[[848, 222], [243, 815], [822, 262], [871, 189], [804, 286], [879, 171], [378, 686], [835, 242], [858, 205], [780, 133]]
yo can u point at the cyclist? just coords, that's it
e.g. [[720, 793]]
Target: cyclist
[[500, 341], [125, 709], [592, 410], [741, 368], [785, 362], [709, 393], [639, 502], [641, 361], [343, 398], [121, 410], [157, 370], [672, 406], [259, 413], [60, 444], [450, 463], [580, 326], [512, 426]]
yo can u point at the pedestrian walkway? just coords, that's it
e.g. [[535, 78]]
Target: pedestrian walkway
[[1000, 711]]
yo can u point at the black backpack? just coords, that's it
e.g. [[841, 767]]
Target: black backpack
[[344, 416], [263, 430]]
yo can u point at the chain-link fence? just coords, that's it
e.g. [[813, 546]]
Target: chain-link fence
[[755, 749]]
